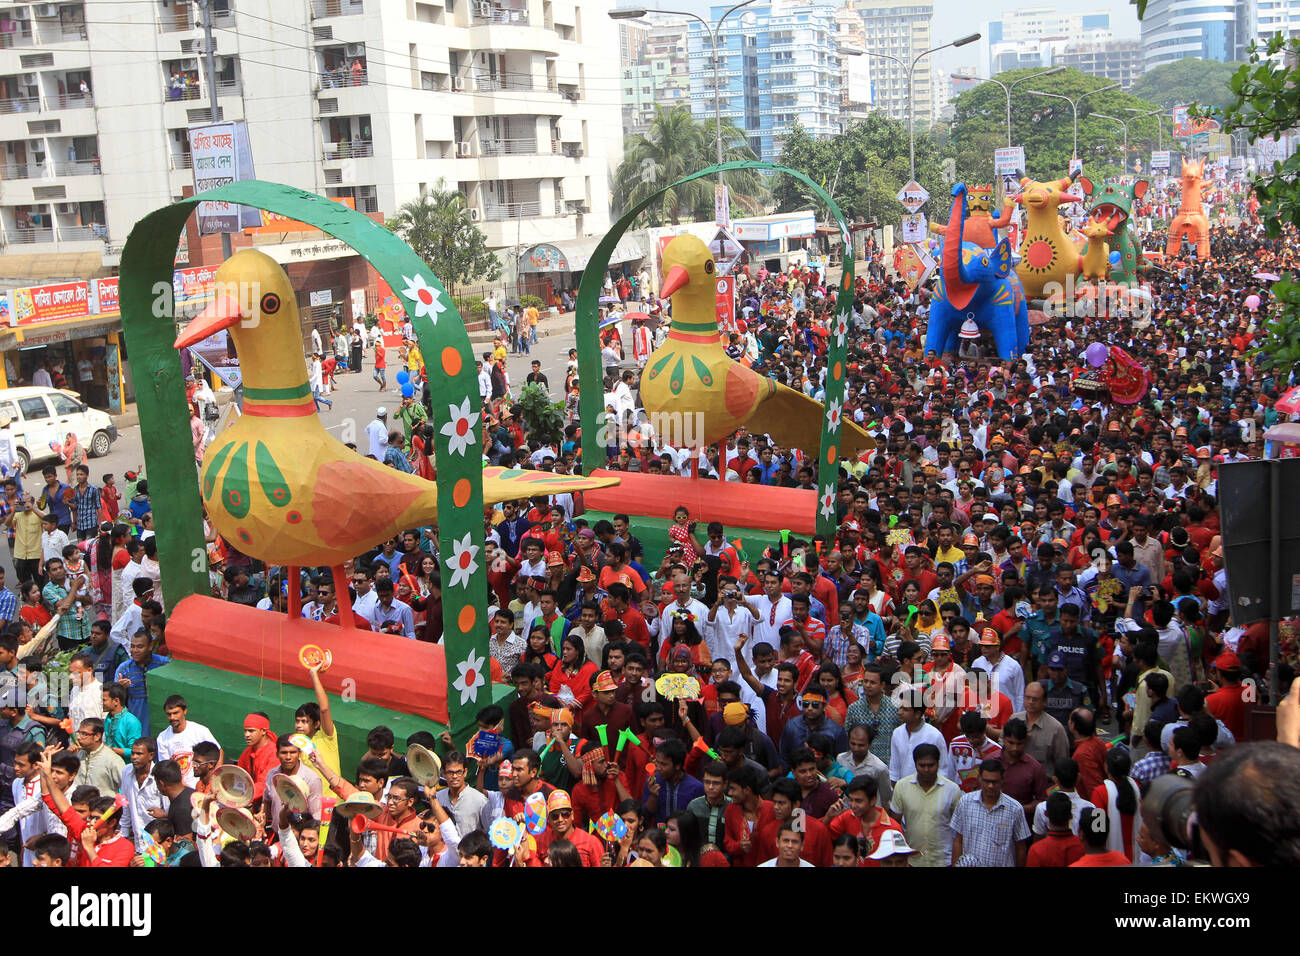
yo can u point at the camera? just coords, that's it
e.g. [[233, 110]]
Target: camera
[[1169, 809]]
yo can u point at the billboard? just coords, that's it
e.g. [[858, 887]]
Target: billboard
[[50, 303], [221, 155]]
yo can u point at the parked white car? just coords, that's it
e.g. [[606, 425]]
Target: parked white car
[[41, 416]]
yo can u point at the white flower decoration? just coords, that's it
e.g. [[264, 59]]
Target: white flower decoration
[[426, 298], [841, 327], [828, 502], [833, 418], [470, 679], [463, 564], [460, 430]]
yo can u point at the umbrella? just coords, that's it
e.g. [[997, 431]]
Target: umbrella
[[651, 321], [1266, 276], [609, 300], [610, 320], [1290, 401]]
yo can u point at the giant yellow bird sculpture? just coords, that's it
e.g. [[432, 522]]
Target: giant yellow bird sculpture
[[276, 484], [691, 374]]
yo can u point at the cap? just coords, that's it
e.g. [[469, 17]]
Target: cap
[[1112, 501], [939, 642], [586, 575], [1203, 451], [989, 637], [558, 800], [1056, 659], [1113, 426], [553, 559], [381, 412], [989, 516], [892, 843], [1227, 660], [734, 713], [971, 539], [604, 682]]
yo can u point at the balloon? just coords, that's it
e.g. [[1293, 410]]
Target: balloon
[[408, 390], [1096, 354], [403, 377], [1252, 302], [1115, 258]]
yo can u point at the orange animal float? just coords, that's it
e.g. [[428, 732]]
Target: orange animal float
[[1191, 222]]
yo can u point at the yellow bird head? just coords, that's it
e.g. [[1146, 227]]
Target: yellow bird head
[[253, 299], [689, 272]]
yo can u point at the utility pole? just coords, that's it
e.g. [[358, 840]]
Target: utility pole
[[211, 64]]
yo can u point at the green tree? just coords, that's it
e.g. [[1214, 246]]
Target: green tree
[[863, 167], [1044, 126], [437, 226], [1184, 81], [676, 145]]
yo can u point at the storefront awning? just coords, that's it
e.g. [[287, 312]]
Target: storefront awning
[[50, 333], [572, 255]]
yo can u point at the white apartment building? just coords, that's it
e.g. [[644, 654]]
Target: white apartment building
[[514, 102], [899, 29], [1029, 36]]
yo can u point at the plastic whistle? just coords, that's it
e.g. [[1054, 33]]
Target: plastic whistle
[[625, 736]]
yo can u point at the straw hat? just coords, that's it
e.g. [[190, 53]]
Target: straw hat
[[232, 786], [360, 802], [424, 765], [291, 792], [238, 823]]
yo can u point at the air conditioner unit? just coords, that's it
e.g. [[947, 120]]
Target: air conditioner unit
[[37, 144], [474, 214], [484, 8], [30, 79], [462, 149], [457, 84], [47, 10], [67, 208], [354, 49]]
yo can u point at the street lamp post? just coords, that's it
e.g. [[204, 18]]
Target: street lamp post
[[1116, 119], [1160, 121], [713, 30], [911, 106], [1008, 87], [1074, 108]]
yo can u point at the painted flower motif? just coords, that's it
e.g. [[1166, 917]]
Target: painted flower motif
[[828, 502], [463, 564], [460, 430], [841, 328], [833, 415], [470, 679], [426, 298]]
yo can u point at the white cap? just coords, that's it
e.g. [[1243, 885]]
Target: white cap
[[381, 412], [892, 843]]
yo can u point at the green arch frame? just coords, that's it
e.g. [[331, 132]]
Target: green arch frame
[[148, 320], [591, 403]]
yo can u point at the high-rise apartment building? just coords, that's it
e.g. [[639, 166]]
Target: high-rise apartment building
[[899, 29], [1207, 29], [778, 64], [1119, 61], [659, 76], [513, 102], [1030, 36]]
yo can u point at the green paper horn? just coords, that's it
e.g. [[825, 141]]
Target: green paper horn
[[602, 731], [893, 520], [785, 535]]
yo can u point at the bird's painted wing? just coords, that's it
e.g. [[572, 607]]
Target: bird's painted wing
[[502, 484], [795, 421]]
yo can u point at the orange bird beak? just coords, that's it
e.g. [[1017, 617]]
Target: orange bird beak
[[224, 312], [676, 278]]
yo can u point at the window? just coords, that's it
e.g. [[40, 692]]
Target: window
[[64, 405], [33, 409]]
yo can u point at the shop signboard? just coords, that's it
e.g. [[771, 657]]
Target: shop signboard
[[50, 303]]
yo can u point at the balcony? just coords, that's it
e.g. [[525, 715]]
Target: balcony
[[488, 83], [511, 210], [335, 8], [510, 147], [79, 167], [338, 79], [182, 160], [22, 170], [487, 13], [188, 92], [18, 236], [70, 101], [82, 233], [228, 87], [16, 39], [354, 150], [20, 104]]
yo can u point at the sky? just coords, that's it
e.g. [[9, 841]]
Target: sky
[[969, 14]]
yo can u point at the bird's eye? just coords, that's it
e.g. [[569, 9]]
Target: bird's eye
[[708, 266], [270, 304]]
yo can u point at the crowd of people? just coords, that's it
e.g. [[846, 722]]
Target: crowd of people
[[1020, 624]]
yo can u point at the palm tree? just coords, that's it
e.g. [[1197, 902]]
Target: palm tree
[[438, 228], [675, 145]]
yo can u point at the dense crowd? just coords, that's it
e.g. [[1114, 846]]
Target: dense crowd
[[1020, 624]]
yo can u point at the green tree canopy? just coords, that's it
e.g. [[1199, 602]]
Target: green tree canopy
[[675, 145], [1044, 126], [1204, 82], [437, 226]]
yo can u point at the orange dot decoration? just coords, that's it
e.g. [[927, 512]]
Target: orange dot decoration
[[465, 620], [451, 362], [837, 371], [831, 454], [460, 493]]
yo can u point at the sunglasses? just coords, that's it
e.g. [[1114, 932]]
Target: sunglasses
[[560, 813]]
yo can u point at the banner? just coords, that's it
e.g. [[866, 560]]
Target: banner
[[1185, 127], [726, 302], [1009, 160], [103, 296], [50, 303], [221, 155], [914, 227], [193, 286], [1159, 159], [273, 222], [721, 206]]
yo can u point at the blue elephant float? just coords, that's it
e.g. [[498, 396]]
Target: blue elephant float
[[976, 283]]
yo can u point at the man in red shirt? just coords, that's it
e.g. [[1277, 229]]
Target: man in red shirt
[[786, 798], [1089, 752], [97, 836], [747, 816], [381, 363], [926, 580], [1061, 847], [864, 818], [261, 756], [1094, 828], [1228, 703], [559, 826], [602, 788]]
